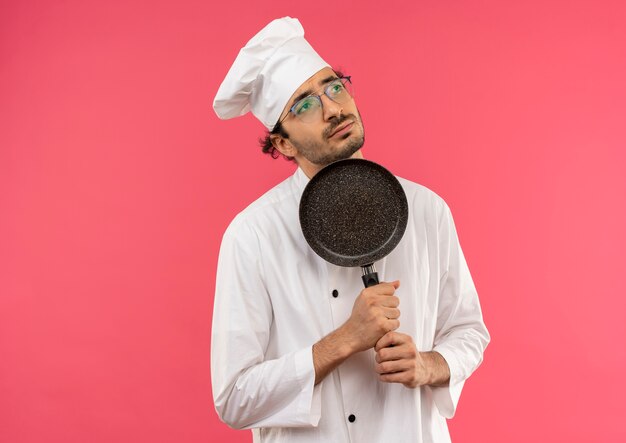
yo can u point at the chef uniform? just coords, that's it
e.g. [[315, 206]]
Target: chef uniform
[[275, 297]]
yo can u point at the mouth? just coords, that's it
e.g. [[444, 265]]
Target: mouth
[[342, 129]]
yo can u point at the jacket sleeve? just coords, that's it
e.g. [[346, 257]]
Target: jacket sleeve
[[461, 336], [249, 391]]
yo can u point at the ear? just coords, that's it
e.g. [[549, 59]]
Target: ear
[[283, 145]]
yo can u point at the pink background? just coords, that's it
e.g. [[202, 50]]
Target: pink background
[[117, 182]]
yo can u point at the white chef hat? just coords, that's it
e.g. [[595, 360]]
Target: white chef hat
[[267, 71]]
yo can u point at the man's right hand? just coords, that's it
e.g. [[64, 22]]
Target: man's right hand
[[375, 313]]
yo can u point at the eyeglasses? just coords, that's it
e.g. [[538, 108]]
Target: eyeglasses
[[309, 108]]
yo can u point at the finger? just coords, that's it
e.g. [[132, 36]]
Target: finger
[[389, 367], [388, 301], [388, 354], [392, 338], [384, 341], [384, 288], [392, 325], [400, 352], [396, 377], [394, 284], [391, 313]]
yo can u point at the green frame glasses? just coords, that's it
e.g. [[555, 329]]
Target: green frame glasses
[[308, 108]]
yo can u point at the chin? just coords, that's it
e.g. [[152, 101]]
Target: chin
[[353, 146], [348, 148], [357, 154]]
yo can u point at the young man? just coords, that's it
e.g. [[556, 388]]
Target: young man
[[300, 352]]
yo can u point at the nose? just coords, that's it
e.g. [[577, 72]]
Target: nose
[[330, 108]]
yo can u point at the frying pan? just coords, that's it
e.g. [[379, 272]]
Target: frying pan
[[354, 212]]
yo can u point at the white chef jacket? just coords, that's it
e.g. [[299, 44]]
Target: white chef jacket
[[274, 300]]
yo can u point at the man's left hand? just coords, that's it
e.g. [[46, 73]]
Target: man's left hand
[[399, 361]]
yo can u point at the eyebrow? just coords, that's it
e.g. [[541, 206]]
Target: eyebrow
[[328, 79], [308, 92]]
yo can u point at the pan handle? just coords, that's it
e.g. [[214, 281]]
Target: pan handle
[[370, 276]]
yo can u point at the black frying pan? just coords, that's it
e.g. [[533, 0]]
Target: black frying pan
[[352, 213]]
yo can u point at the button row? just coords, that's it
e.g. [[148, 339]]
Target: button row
[[351, 417]]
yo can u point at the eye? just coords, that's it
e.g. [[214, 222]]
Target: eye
[[336, 88], [305, 105]]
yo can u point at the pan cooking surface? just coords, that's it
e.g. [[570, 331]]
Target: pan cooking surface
[[353, 212]]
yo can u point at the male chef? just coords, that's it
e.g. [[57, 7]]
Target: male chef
[[300, 351]]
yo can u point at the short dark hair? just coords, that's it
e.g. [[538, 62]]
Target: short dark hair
[[266, 142]]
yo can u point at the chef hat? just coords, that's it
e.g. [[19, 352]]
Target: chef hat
[[267, 71]]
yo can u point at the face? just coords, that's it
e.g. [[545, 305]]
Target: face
[[337, 133]]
